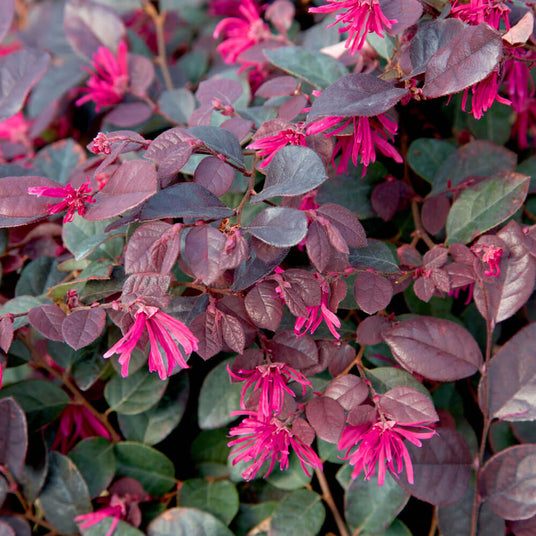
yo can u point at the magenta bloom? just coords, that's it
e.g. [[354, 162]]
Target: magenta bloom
[[116, 512], [272, 381], [108, 81], [359, 18], [317, 314], [367, 134], [491, 255], [479, 11], [268, 439], [164, 332], [485, 93], [242, 32], [77, 422], [382, 445], [14, 129], [73, 200], [271, 144]]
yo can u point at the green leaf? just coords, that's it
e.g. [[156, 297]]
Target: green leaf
[[95, 460], [291, 479], [328, 451], [155, 424], [21, 304], [134, 394], [426, 156], [302, 512], [65, 494], [314, 67], [61, 353], [154, 471], [187, 522], [219, 497], [41, 400], [88, 366], [57, 161], [218, 398], [102, 528], [481, 158], [495, 126], [528, 167], [38, 276], [385, 378], [486, 205], [397, 529], [211, 446], [377, 255], [177, 104], [252, 515], [372, 508]]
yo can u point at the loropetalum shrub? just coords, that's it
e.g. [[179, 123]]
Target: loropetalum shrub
[[267, 268]]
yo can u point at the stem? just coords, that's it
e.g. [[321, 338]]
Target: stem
[[159, 19], [433, 525], [485, 430], [328, 499], [420, 233], [247, 195]]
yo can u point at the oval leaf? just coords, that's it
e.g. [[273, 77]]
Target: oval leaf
[[372, 292], [186, 522], [279, 226], [82, 327], [14, 437]]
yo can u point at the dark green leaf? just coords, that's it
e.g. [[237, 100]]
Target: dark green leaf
[[252, 515], [377, 255], [36, 467], [37, 276], [211, 446], [177, 104], [57, 161], [426, 156], [187, 522], [103, 528], [220, 140], [292, 478], [302, 512]]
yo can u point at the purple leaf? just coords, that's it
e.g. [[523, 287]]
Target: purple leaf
[[406, 12], [441, 468], [209, 333], [434, 212], [279, 226], [386, 198], [14, 437], [203, 248], [140, 74], [89, 25], [340, 356], [83, 326], [184, 200], [20, 71], [407, 405], [372, 292], [174, 159], [292, 107], [151, 287], [128, 114], [369, 330], [346, 222], [47, 320], [264, 306], [348, 390], [511, 379], [15, 201], [508, 482], [233, 333], [160, 146], [294, 170], [318, 246], [6, 333], [238, 127], [235, 251], [356, 95], [227, 91], [524, 527], [437, 349], [214, 175], [7, 11], [130, 185], [327, 417], [467, 58], [277, 87], [300, 353]]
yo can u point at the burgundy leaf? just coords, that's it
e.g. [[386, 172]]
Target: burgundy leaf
[[318, 246], [7, 11], [6, 333], [356, 94], [508, 482], [442, 468], [83, 326], [434, 213], [169, 139], [341, 355], [140, 74], [215, 175], [303, 292], [279, 226], [235, 251], [203, 248], [172, 160], [130, 185], [424, 288], [226, 90], [264, 306], [348, 390], [300, 353], [21, 70], [524, 527], [47, 320], [435, 258], [15, 201], [238, 127], [327, 417], [369, 330], [208, 331], [385, 199], [437, 349], [89, 25], [277, 87], [346, 222], [406, 12], [14, 436], [511, 379], [292, 107], [335, 238], [372, 292], [302, 429], [151, 287], [129, 114], [233, 333], [407, 405], [466, 59]]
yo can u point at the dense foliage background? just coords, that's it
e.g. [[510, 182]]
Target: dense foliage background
[[267, 268]]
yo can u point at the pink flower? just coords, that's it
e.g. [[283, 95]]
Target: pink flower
[[491, 255], [116, 512], [272, 381], [73, 200], [319, 313], [108, 82], [479, 11], [360, 17], [382, 445], [485, 93], [242, 32], [14, 129], [164, 332], [366, 134], [268, 440], [77, 422], [271, 144]]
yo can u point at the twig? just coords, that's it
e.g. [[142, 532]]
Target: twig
[[328, 499], [420, 233], [433, 525]]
